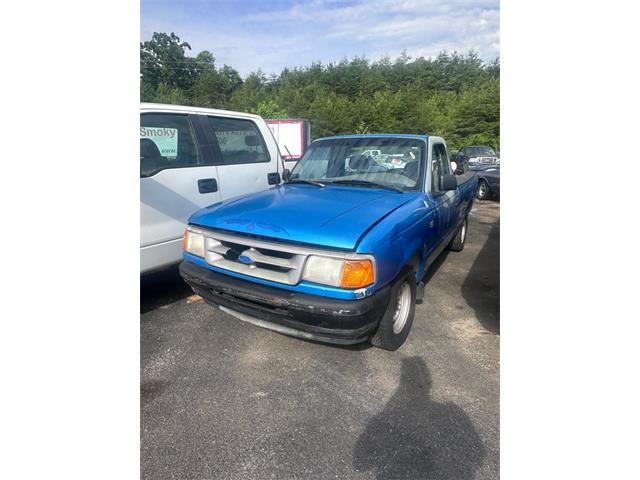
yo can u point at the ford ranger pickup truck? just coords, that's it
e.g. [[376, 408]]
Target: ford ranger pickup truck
[[337, 252]]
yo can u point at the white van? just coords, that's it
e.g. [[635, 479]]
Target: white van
[[190, 158]]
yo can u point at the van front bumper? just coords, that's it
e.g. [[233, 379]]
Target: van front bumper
[[298, 314]]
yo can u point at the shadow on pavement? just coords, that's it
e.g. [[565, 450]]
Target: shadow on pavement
[[481, 287], [415, 437], [162, 288]]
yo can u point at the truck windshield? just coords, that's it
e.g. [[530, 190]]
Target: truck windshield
[[393, 162], [478, 151]]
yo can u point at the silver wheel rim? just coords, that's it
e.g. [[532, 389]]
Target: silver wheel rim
[[403, 305], [463, 234], [482, 190]]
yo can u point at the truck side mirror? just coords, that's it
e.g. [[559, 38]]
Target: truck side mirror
[[286, 173], [448, 182]]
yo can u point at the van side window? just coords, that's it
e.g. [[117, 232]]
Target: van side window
[[239, 141], [166, 141], [439, 165]]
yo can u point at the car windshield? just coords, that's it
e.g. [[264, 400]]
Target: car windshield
[[480, 151], [363, 162]]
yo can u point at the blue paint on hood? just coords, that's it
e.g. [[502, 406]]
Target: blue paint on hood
[[334, 217]]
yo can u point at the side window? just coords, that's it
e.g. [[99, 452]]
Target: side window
[[239, 141], [166, 141], [439, 165]]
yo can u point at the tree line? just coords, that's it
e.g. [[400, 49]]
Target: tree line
[[456, 96]]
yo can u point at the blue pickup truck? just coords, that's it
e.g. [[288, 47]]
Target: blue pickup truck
[[337, 252]]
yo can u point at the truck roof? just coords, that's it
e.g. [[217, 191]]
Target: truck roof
[[378, 135], [144, 106]]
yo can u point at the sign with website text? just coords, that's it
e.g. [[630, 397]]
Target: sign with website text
[[166, 139]]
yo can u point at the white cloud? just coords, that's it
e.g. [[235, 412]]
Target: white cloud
[[330, 30]]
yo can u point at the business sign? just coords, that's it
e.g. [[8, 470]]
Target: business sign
[[166, 139], [292, 136]]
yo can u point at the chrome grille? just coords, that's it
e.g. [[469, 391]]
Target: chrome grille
[[270, 260], [265, 260]]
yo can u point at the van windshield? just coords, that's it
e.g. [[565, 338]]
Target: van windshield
[[394, 162]]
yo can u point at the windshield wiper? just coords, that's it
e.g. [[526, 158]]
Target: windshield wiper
[[310, 182], [367, 183]]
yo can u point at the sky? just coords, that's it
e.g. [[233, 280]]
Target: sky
[[274, 34]]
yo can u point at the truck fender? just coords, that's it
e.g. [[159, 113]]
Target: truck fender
[[417, 263]]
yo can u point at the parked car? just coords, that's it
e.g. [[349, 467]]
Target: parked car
[[332, 255], [190, 158], [488, 181], [473, 155]]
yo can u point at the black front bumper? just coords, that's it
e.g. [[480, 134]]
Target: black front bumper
[[294, 313]]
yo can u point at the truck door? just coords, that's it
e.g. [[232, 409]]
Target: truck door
[[177, 177], [455, 214], [448, 201], [245, 163]]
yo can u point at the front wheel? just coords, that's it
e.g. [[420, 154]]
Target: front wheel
[[397, 319], [483, 190]]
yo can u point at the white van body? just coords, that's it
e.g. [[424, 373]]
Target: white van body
[[191, 158]]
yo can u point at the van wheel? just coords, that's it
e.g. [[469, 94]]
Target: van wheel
[[398, 318], [457, 244], [483, 190]]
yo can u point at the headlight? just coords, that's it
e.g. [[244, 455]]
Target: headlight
[[323, 270], [339, 273], [193, 242]]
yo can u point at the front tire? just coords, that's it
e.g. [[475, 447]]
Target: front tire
[[483, 190], [397, 320]]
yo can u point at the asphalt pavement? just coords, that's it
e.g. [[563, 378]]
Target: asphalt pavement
[[223, 399]]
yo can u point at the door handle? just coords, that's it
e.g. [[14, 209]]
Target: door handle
[[207, 185]]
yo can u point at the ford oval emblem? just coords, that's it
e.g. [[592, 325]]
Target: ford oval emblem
[[246, 259]]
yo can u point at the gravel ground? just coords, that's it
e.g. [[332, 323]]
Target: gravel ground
[[224, 399]]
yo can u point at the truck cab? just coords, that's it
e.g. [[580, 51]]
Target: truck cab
[[338, 252], [476, 155], [191, 158]]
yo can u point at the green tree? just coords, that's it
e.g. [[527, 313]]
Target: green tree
[[270, 109], [453, 95], [167, 94], [163, 60], [477, 115]]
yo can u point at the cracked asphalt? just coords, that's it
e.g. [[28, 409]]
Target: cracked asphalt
[[220, 398]]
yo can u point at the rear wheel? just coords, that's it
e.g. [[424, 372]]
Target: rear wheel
[[457, 244], [397, 319], [483, 190]]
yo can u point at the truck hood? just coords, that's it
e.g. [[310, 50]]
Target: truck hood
[[333, 216]]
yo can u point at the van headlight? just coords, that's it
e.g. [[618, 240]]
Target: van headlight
[[193, 242], [338, 272]]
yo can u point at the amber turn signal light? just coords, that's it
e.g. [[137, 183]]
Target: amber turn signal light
[[185, 237], [357, 274]]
